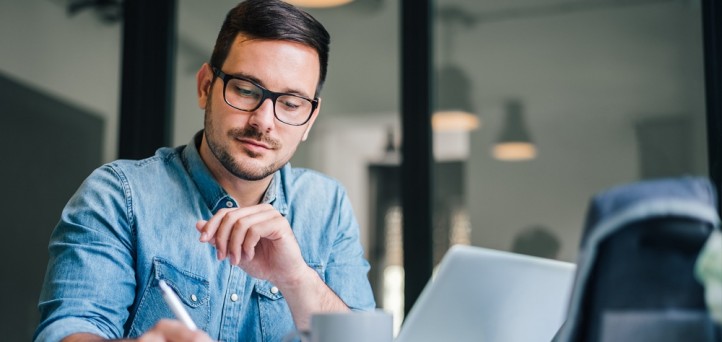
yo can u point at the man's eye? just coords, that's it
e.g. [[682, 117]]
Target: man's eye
[[291, 105], [245, 92]]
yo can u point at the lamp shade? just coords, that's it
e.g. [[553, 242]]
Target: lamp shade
[[453, 110], [514, 143], [318, 3]]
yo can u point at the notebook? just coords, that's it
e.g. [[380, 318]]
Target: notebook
[[481, 294]]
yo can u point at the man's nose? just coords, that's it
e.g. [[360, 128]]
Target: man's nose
[[263, 118]]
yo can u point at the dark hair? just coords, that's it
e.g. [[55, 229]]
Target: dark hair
[[274, 20]]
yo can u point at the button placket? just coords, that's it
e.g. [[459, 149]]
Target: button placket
[[231, 318]]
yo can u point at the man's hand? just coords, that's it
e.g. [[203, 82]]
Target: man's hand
[[259, 240]]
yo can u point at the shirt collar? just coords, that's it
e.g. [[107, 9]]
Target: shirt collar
[[213, 194]]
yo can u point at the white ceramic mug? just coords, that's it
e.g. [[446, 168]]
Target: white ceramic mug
[[366, 326]]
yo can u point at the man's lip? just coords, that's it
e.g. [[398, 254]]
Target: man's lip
[[255, 143]]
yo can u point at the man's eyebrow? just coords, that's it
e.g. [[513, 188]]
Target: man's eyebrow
[[246, 76], [258, 81]]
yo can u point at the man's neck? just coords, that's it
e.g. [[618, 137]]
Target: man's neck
[[245, 192]]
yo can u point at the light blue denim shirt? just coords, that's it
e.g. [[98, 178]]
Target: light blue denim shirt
[[132, 223]]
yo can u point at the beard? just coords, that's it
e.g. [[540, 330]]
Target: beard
[[220, 147]]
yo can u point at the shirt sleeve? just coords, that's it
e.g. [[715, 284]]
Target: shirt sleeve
[[347, 270], [90, 282]]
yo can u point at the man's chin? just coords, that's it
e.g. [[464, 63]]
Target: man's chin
[[249, 172], [251, 177]]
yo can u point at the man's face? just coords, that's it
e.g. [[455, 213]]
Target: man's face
[[253, 145]]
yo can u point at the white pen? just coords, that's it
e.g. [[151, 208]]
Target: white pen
[[175, 305]]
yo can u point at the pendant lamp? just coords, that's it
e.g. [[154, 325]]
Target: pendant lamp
[[454, 109], [514, 143]]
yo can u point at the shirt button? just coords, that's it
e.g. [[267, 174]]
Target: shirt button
[[234, 297], [229, 204], [194, 298], [274, 290]]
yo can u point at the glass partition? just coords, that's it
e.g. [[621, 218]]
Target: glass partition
[[572, 98]]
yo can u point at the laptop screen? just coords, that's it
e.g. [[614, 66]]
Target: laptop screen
[[481, 294]]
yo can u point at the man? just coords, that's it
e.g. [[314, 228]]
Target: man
[[251, 246]]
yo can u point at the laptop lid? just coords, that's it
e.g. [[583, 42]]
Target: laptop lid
[[481, 294]]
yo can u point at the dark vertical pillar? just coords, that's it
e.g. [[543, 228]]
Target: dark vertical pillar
[[146, 104], [416, 165], [712, 33]]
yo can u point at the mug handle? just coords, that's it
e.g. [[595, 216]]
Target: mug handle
[[304, 335]]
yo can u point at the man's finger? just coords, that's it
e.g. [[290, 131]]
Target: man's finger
[[271, 229], [208, 228], [241, 230]]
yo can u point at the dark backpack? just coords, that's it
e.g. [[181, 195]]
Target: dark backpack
[[635, 272]]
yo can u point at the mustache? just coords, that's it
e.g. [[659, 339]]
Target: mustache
[[251, 132]]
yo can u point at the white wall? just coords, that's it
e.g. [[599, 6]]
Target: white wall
[[586, 78]]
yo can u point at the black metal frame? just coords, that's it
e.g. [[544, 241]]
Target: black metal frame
[[417, 161], [712, 34], [146, 103]]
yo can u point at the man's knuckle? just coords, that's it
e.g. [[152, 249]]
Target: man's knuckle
[[240, 224]]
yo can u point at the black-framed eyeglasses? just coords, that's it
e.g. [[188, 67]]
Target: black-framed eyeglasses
[[246, 95]]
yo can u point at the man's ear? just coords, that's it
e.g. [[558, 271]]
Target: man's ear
[[312, 120], [204, 79]]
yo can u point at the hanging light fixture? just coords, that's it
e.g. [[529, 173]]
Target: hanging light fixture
[[318, 3], [453, 109], [514, 143]]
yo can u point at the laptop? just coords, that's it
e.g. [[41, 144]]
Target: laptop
[[481, 294]]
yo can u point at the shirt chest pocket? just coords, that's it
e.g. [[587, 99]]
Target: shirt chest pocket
[[274, 314], [192, 289]]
